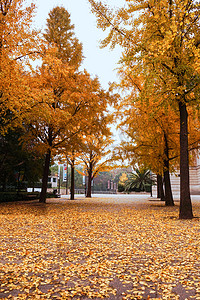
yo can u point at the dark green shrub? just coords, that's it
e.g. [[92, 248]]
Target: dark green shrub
[[120, 188]]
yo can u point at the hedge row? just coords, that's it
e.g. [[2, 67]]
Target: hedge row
[[21, 196]]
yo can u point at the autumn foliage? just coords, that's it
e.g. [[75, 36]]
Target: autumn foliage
[[159, 65], [19, 44], [100, 248], [60, 109], [54, 103]]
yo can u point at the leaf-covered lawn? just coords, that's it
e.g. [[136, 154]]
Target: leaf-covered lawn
[[98, 248]]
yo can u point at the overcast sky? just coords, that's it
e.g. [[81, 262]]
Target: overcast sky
[[100, 62]]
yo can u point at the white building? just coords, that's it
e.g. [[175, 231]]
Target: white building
[[194, 181], [53, 180]]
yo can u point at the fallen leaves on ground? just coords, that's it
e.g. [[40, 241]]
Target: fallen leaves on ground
[[98, 248]]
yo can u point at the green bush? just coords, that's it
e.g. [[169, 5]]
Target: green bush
[[120, 187], [14, 196], [50, 195], [147, 188], [8, 196]]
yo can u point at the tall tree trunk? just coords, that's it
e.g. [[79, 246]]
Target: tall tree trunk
[[45, 177], [33, 187], [168, 191], [46, 168], [89, 185], [72, 190], [160, 190], [4, 179], [185, 211], [67, 175]]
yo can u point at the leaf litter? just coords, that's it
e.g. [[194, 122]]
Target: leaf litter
[[98, 248]]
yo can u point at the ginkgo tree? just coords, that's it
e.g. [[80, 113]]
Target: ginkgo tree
[[19, 44], [152, 141], [55, 90], [153, 131], [89, 146], [60, 33], [163, 37], [71, 101], [96, 156], [151, 128], [61, 115]]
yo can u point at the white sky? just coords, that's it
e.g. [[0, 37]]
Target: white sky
[[100, 62]]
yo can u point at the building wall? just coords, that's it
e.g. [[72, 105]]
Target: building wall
[[53, 180], [175, 181]]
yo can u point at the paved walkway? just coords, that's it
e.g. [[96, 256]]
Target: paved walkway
[[135, 196]]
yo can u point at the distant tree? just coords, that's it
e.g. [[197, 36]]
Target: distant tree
[[95, 156], [123, 177], [101, 181]]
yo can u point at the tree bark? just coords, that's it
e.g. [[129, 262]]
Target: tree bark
[[168, 191], [89, 185], [72, 190], [67, 175], [45, 177], [160, 190], [185, 211]]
